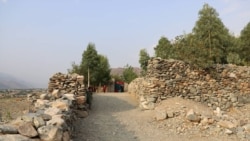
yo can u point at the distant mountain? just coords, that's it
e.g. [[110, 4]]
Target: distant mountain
[[119, 71], [10, 82]]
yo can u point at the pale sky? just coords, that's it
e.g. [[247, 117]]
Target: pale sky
[[41, 37]]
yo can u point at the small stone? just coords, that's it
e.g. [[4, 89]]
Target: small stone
[[57, 121], [8, 129], [204, 121], [60, 104], [69, 96], [247, 127], [226, 124], [56, 93], [229, 132], [44, 96], [80, 100], [41, 103], [50, 133], [28, 130], [28, 117], [38, 122], [218, 112], [15, 137], [46, 117], [160, 114], [53, 111], [170, 114], [191, 116]]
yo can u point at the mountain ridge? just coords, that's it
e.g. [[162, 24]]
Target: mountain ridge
[[8, 81]]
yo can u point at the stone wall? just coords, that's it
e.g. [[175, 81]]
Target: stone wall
[[227, 86], [53, 113]]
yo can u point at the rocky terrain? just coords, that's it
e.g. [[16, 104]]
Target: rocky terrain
[[175, 119], [51, 114]]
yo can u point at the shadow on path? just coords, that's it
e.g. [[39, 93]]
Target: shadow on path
[[101, 124]]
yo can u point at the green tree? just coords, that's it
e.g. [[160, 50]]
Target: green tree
[[164, 48], [97, 65], [104, 70], [214, 35], [144, 57], [245, 44], [128, 74], [233, 52], [74, 68], [190, 50]]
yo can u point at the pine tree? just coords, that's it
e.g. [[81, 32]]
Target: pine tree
[[214, 36], [245, 44], [144, 57], [164, 48]]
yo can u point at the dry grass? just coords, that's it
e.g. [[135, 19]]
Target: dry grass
[[11, 108]]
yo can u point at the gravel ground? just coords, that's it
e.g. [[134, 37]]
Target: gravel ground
[[116, 117]]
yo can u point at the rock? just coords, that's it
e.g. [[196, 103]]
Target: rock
[[240, 132], [80, 100], [218, 112], [16, 137], [192, 116], [232, 75], [69, 96], [57, 121], [247, 136], [53, 111], [160, 114], [17, 122], [60, 104], [28, 117], [28, 130], [81, 113], [46, 117], [56, 93], [210, 121], [38, 122], [50, 133], [147, 105], [44, 97], [41, 103], [229, 132], [242, 122], [170, 114], [8, 129], [226, 124], [204, 121], [151, 99], [247, 127]]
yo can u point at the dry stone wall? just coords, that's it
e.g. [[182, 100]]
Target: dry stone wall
[[228, 86], [53, 114]]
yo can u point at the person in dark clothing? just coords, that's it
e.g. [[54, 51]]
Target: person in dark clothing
[[89, 97]]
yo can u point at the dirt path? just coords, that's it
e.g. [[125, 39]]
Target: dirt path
[[116, 117], [102, 123]]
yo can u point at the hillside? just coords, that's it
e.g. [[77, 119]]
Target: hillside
[[10, 82], [119, 71]]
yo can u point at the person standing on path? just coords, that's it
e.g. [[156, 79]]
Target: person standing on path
[[89, 97], [104, 88]]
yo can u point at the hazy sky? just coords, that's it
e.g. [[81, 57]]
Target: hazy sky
[[41, 37]]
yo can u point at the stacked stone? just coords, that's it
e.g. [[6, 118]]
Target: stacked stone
[[53, 114], [67, 83], [228, 86], [50, 120]]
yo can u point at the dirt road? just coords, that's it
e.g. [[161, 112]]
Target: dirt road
[[116, 117], [102, 123]]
